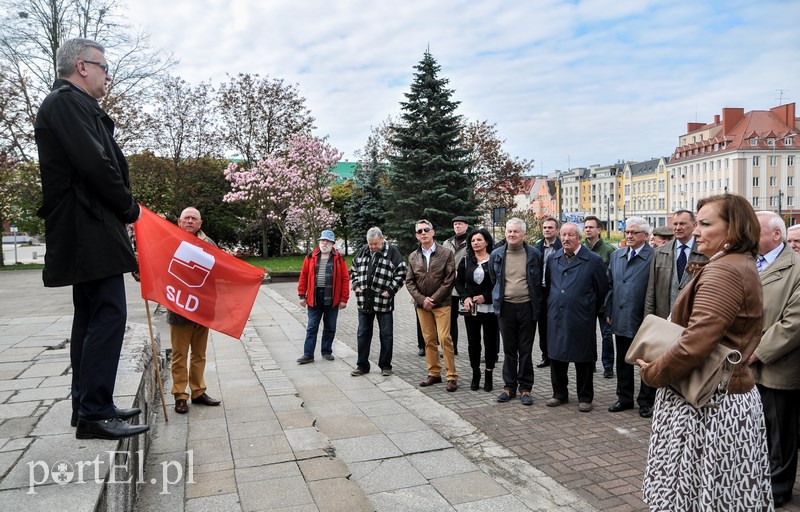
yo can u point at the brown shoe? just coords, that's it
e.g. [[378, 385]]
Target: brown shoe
[[181, 407], [430, 381], [204, 399], [452, 385]]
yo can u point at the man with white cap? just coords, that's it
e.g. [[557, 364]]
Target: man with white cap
[[323, 288]]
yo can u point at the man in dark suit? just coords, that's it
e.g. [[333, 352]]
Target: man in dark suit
[[670, 270], [87, 203], [548, 245]]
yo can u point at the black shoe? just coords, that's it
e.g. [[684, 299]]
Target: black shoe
[[113, 428], [544, 363], [328, 357], [487, 380], [645, 411], [618, 407], [608, 374], [421, 352], [475, 385], [122, 414], [305, 360]]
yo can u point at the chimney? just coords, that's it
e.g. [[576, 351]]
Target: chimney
[[716, 119], [730, 118], [785, 113], [690, 127]]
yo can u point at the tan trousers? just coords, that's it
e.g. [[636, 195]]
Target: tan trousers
[[184, 338], [436, 325]]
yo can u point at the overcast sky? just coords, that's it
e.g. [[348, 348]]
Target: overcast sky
[[566, 82]]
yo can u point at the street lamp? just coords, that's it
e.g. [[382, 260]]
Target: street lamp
[[14, 232]]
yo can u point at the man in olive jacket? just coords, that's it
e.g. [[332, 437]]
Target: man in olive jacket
[[776, 361], [429, 279], [87, 203]]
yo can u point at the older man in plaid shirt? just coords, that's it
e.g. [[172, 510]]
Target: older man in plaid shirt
[[377, 273]]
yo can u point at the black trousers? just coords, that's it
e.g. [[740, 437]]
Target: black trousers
[[454, 303], [543, 328], [781, 409], [518, 328], [625, 378], [583, 376], [98, 327], [487, 321]]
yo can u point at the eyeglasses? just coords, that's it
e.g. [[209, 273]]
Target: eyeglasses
[[423, 230], [101, 65], [634, 232]]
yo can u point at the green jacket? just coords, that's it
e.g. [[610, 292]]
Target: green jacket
[[601, 248]]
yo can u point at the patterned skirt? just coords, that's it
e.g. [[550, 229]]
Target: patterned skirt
[[712, 459]]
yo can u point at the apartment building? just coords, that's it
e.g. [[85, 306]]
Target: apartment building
[[754, 154], [645, 190]]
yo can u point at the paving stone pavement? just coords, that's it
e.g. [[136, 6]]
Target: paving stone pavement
[[599, 455]]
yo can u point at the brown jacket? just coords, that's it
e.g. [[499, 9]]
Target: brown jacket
[[722, 304], [435, 282]]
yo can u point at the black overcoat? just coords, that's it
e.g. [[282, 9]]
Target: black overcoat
[[86, 190]]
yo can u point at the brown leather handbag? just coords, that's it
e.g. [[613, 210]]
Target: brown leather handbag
[[654, 338]]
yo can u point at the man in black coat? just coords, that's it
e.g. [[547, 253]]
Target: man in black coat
[[87, 203]]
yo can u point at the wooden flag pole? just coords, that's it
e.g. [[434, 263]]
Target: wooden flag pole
[[155, 359]]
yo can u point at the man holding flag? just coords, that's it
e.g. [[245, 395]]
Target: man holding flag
[[186, 334]]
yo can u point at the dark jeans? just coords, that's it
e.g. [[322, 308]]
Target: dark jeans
[[328, 315], [366, 321], [487, 321], [518, 328], [543, 328], [607, 353], [98, 328], [781, 407], [583, 376], [625, 384], [454, 303]]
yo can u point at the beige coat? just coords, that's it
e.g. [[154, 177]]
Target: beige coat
[[779, 352], [657, 301]]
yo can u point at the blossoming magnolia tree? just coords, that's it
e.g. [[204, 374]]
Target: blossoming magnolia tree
[[289, 191]]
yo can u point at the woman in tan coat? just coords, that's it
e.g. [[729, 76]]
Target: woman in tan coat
[[712, 458]]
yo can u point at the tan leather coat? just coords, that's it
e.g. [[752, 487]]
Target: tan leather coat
[[722, 304]]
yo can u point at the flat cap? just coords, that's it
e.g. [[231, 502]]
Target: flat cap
[[663, 231], [460, 218]]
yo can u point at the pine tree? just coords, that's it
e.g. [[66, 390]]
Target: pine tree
[[367, 208], [428, 177]]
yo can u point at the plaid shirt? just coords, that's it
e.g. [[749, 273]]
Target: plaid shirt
[[388, 275]]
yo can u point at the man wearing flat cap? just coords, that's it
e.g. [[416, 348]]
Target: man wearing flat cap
[[458, 244], [323, 288], [662, 235]]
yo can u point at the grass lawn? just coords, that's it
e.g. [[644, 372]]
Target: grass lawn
[[283, 263], [22, 266]]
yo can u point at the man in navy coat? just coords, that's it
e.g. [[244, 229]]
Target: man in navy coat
[[629, 270], [576, 281], [87, 203]]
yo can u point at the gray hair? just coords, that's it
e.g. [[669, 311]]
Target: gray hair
[[574, 226], [423, 221], [191, 209], [374, 233], [70, 51], [793, 228], [519, 222], [641, 223], [775, 222]]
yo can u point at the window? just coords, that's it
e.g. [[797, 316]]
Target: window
[[773, 160], [726, 163], [755, 181], [773, 180], [772, 200], [755, 201], [755, 161], [771, 142], [790, 160], [787, 141], [790, 181], [754, 142], [789, 200]]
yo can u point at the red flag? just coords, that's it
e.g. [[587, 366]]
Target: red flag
[[193, 278]]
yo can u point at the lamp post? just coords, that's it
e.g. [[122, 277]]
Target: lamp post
[[14, 232], [608, 217]]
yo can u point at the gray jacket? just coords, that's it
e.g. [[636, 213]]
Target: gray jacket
[[627, 282]]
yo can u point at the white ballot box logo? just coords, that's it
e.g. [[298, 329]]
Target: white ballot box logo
[[191, 265]]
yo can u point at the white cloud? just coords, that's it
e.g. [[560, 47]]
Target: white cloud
[[589, 81]]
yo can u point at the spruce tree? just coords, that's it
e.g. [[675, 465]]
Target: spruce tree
[[366, 207], [428, 175]]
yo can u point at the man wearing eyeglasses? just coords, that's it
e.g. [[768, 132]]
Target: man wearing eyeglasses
[[429, 279], [87, 204], [627, 277]]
